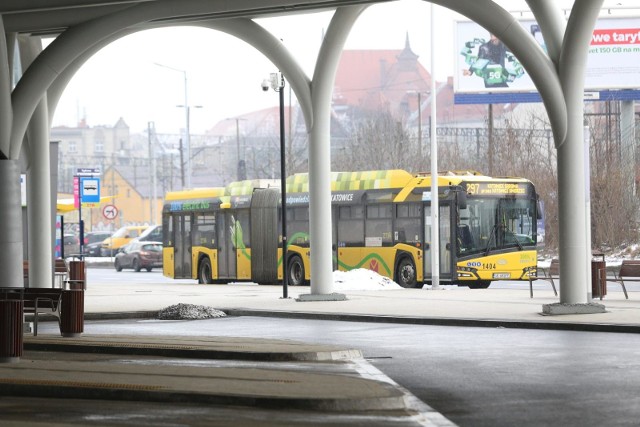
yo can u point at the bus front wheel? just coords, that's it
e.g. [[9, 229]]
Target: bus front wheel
[[479, 284], [205, 275], [296, 271], [406, 273]]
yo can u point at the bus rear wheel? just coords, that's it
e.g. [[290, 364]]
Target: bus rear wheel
[[205, 275], [406, 273], [296, 271]]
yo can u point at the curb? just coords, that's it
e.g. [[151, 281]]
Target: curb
[[218, 349], [255, 387], [369, 318], [441, 321]]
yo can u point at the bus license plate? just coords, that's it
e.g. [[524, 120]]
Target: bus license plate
[[501, 275]]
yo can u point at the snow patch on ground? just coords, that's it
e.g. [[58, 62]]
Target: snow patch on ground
[[189, 312], [361, 279]]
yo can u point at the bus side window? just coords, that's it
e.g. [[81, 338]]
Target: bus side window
[[378, 222], [407, 223], [350, 226], [167, 227]]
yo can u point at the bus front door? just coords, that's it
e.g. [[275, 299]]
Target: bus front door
[[182, 248], [447, 256], [226, 248]]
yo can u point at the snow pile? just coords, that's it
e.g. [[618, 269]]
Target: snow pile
[[189, 312], [362, 279]]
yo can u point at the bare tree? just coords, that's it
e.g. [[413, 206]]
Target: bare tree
[[379, 141]]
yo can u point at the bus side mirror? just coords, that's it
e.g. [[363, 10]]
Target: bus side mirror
[[462, 199], [538, 210]]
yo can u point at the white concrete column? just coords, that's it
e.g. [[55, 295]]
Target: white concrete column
[[11, 212], [320, 225], [628, 154], [575, 267], [5, 94], [10, 224], [38, 184]]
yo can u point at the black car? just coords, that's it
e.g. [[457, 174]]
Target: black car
[[139, 255], [93, 241], [71, 244]]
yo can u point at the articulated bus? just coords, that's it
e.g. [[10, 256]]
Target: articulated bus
[[381, 221]]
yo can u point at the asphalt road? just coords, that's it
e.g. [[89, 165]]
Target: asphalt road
[[473, 376]]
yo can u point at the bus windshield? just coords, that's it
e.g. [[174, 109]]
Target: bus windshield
[[494, 224]]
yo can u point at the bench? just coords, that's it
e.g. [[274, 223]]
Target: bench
[[37, 301], [540, 273], [60, 272], [629, 272]]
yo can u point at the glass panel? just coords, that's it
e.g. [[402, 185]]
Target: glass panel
[[243, 224], [427, 242], [298, 228], [167, 226], [496, 224], [445, 240], [378, 225], [350, 231], [205, 231], [408, 225]]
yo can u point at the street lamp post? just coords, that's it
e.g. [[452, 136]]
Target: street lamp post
[[187, 138], [276, 81], [241, 173], [419, 112], [187, 119]]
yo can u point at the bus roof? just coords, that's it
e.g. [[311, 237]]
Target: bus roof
[[195, 193], [362, 180]]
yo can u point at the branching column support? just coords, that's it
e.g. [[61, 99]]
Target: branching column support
[[11, 245], [559, 77]]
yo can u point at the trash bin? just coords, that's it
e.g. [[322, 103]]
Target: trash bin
[[598, 275], [72, 313], [72, 310], [77, 275], [11, 341]]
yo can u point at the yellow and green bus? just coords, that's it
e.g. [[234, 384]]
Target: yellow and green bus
[[381, 221]]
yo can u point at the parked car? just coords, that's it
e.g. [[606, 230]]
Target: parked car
[[124, 235], [93, 242], [71, 244], [139, 255], [153, 234]]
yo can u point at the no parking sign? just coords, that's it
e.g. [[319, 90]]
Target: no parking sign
[[110, 211]]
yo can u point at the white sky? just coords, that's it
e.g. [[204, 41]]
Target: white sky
[[224, 73]]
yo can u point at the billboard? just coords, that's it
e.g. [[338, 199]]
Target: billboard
[[484, 64]]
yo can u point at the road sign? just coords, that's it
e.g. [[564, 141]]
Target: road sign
[[88, 172], [110, 211], [90, 189]]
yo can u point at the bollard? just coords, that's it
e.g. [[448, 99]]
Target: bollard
[[11, 342], [72, 310]]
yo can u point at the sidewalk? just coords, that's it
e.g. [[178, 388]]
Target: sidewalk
[[451, 305]]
